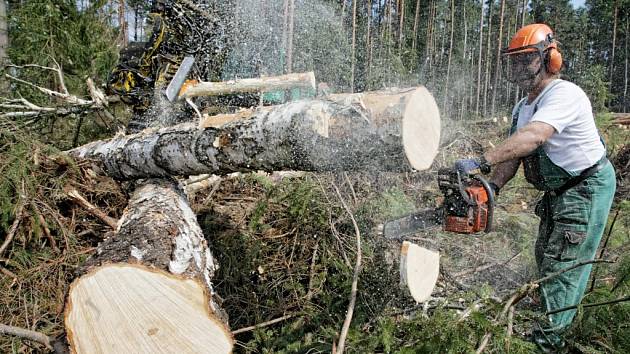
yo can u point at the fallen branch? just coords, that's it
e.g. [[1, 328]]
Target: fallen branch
[[44, 226], [77, 198], [603, 249], [7, 272], [484, 267], [27, 334], [261, 325], [623, 299], [355, 277], [18, 218], [525, 289], [21, 107]]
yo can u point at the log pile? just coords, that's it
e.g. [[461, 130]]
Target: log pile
[[621, 118], [158, 254]]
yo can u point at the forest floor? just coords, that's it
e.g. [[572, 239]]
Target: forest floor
[[286, 249]]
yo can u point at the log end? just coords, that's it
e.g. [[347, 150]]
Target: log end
[[421, 129], [125, 308], [419, 270]]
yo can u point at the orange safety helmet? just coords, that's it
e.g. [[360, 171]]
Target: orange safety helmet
[[537, 37]]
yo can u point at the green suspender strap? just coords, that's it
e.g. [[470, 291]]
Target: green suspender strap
[[541, 172]]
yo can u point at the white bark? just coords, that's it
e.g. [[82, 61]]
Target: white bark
[[383, 131], [158, 229]]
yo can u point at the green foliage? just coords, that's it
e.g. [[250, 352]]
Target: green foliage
[[593, 80], [48, 30], [18, 172], [388, 205]]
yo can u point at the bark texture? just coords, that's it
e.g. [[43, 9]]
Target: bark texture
[[156, 266], [384, 131], [158, 228]]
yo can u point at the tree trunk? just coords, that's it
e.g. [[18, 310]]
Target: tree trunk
[[467, 68], [289, 49], [401, 26], [497, 71], [479, 61], [135, 22], [523, 12], [614, 38], [487, 60], [122, 22], [165, 299], [450, 54], [386, 131], [354, 43], [415, 27], [429, 40], [270, 83], [368, 45], [4, 33], [625, 75], [285, 28]]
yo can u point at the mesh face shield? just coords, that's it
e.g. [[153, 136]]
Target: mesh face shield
[[522, 66], [518, 65]]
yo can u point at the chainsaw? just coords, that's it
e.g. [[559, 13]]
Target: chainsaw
[[467, 208]]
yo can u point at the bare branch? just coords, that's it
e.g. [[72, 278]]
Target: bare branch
[[27, 334], [355, 277], [260, 325], [18, 218]]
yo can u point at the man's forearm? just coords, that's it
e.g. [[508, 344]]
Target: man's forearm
[[520, 144], [517, 146], [504, 172]]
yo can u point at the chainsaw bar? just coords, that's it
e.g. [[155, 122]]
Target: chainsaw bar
[[412, 223]]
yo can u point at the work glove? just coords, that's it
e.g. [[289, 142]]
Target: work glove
[[472, 166], [467, 166]]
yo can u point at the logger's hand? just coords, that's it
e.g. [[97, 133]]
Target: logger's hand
[[467, 166]]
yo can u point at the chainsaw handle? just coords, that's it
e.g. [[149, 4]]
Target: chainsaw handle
[[490, 193]]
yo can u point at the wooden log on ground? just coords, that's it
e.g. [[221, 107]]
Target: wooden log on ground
[[124, 308], [159, 231], [419, 270], [381, 131], [262, 84]]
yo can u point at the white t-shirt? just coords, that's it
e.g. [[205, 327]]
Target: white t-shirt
[[575, 145]]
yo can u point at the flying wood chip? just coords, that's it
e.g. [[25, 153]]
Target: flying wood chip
[[419, 269]]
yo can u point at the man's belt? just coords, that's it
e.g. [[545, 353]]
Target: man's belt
[[586, 173]]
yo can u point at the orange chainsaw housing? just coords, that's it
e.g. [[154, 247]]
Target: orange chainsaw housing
[[477, 217]]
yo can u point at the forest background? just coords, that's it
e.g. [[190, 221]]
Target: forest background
[[451, 47]]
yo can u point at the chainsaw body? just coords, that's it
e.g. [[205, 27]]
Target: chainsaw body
[[467, 208], [466, 203]]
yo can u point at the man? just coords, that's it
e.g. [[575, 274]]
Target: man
[[555, 138]]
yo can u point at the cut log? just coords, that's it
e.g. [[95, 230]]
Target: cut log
[[419, 270], [262, 84], [124, 308], [380, 131]]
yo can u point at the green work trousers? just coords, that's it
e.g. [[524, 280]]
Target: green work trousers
[[571, 227]]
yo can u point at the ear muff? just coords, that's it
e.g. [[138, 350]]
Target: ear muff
[[553, 61]]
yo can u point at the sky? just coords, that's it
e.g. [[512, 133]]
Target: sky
[[577, 3]]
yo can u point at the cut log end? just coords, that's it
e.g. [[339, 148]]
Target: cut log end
[[421, 129], [124, 308], [419, 270]]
